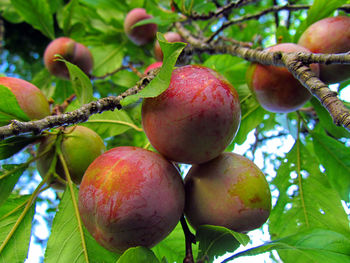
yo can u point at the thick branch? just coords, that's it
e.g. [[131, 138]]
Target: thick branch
[[296, 62], [80, 115]]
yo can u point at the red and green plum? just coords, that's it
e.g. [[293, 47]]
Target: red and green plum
[[131, 197], [229, 191], [329, 35], [139, 35], [71, 51], [195, 119], [80, 146], [275, 88], [30, 99]]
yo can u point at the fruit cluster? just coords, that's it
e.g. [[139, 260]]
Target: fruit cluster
[[135, 197], [131, 196]]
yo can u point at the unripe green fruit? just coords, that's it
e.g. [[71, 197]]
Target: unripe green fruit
[[195, 119], [275, 88], [229, 191], [80, 146], [31, 100], [130, 197], [71, 51], [329, 35], [139, 35]]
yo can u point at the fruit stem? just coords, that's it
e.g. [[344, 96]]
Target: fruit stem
[[76, 209], [189, 239], [24, 212]]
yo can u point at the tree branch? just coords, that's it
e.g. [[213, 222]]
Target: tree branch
[[222, 10], [296, 62], [274, 9], [80, 115]]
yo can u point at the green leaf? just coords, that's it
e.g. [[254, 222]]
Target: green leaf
[[138, 255], [37, 13], [67, 16], [252, 113], [306, 200], [215, 241], [282, 35], [13, 145], [65, 241], [13, 172], [16, 249], [172, 247], [110, 123], [125, 78], [312, 245], [81, 84], [9, 107], [161, 82], [335, 158], [107, 58], [9, 12], [327, 122]]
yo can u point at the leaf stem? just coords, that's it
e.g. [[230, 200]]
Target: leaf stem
[[76, 209]]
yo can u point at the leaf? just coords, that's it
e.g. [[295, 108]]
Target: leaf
[[312, 245], [304, 201], [81, 84], [138, 255], [107, 58], [215, 241], [37, 13], [335, 158], [67, 15], [110, 123], [327, 122], [252, 113], [65, 241], [9, 107], [172, 247], [161, 81], [125, 78], [8, 183], [16, 249], [233, 68], [13, 145]]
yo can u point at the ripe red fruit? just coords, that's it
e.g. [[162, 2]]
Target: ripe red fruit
[[139, 35], [130, 197], [170, 37], [71, 51], [80, 146], [195, 119], [157, 64], [329, 35], [275, 87], [229, 191], [31, 100]]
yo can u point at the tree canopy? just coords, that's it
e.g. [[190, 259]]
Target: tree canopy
[[310, 182]]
